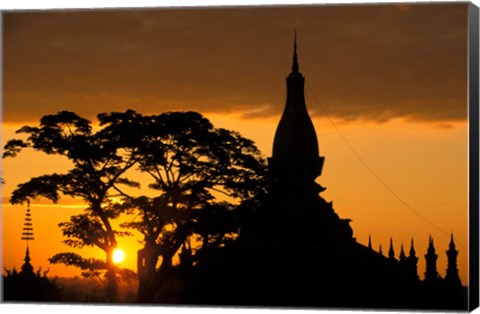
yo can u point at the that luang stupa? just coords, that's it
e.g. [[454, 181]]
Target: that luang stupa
[[296, 251]]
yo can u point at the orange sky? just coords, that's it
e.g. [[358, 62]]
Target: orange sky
[[392, 78]]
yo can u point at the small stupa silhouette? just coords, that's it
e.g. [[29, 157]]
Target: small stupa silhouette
[[28, 284], [27, 235]]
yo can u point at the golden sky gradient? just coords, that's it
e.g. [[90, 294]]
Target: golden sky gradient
[[392, 79]]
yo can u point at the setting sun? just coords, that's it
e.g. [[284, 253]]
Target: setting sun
[[118, 256]]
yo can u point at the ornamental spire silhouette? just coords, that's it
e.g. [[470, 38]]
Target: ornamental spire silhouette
[[391, 252], [402, 253], [452, 271], [431, 273], [411, 273], [412, 249], [295, 58], [295, 151], [27, 235]]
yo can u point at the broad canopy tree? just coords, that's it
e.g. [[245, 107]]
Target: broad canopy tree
[[203, 176], [95, 177], [203, 179]]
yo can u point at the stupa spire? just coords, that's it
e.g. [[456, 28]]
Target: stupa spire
[[27, 255], [295, 151], [412, 249], [27, 235], [452, 276], [295, 58], [411, 267], [451, 246], [431, 274], [391, 252], [402, 253]]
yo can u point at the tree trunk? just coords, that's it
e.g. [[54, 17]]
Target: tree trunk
[[146, 262], [152, 279], [111, 288], [154, 283]]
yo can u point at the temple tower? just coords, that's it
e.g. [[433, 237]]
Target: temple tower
[[452, 278], [295, 156], [402, 257], [411, 265], [296, 208], [27, 235], [391, 252], [431, 273]]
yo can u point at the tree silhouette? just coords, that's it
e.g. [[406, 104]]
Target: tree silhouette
[[98, 166], [204, 178]]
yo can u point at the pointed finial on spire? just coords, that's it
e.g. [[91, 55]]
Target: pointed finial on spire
[[452, 277], [295, 60], [402, 253], [369, 242], [431, 246], [452, 243], [391, 253], [27, 235], [380, 249], [27, 268], [27, 256], [412, 249]]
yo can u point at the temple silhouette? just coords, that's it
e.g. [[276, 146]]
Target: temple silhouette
[[297, 252], [28, 285]]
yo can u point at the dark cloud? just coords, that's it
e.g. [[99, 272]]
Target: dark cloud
[[372, 62]]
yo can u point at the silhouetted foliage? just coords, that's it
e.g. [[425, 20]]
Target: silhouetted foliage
[[97, 167], [203, 176], [91, 267]]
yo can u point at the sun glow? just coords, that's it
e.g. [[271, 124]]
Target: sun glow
[[118, 256]]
